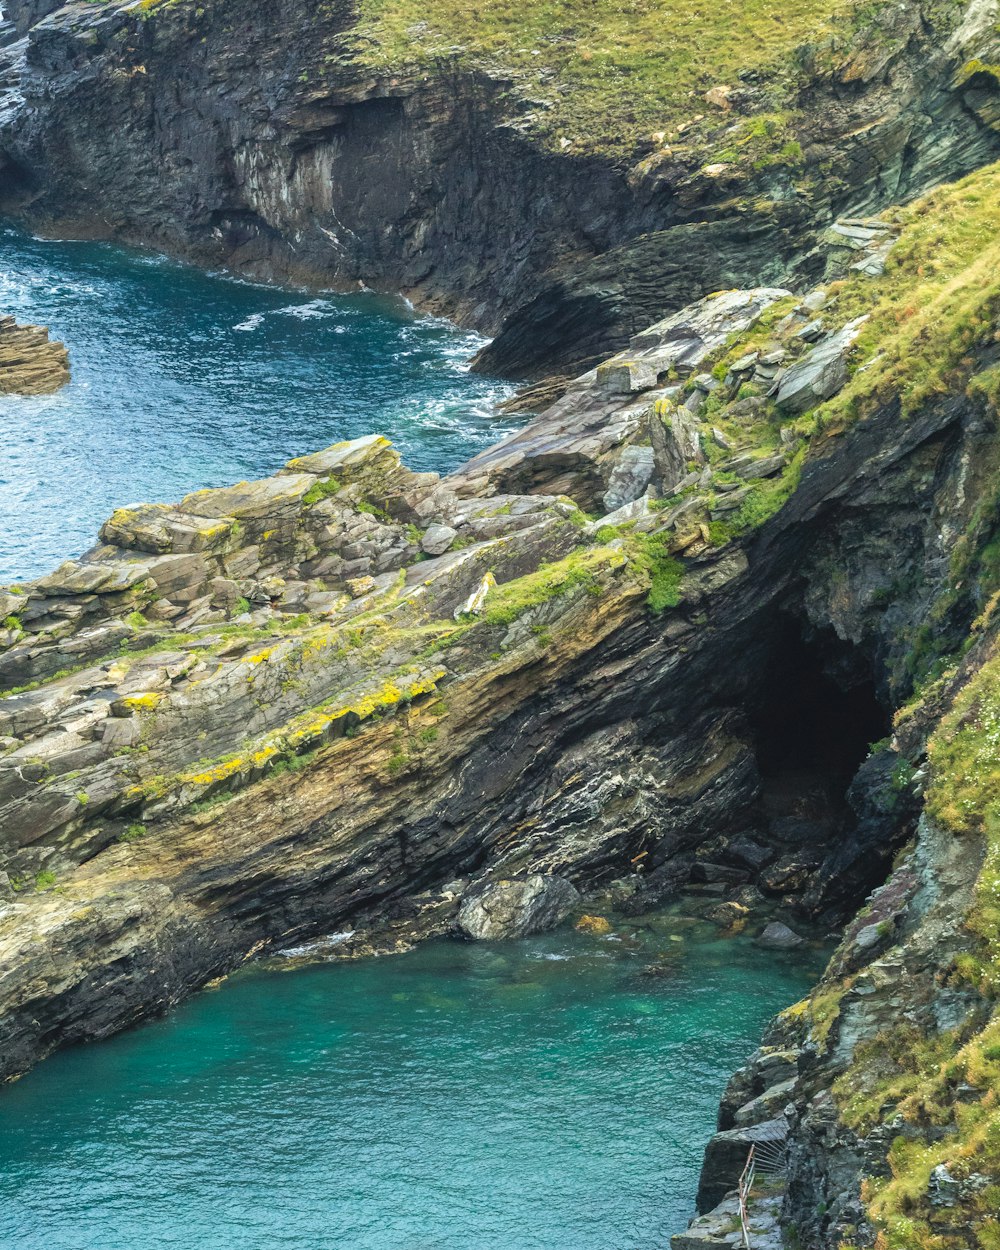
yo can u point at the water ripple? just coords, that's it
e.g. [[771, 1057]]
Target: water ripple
[[183, 379]]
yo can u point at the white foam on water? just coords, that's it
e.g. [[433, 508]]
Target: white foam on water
[[306, 312], [251, 323]]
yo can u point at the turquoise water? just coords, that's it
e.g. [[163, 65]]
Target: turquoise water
[[183, 380], [554, 1094]]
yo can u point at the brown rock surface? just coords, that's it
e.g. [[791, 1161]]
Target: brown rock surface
[[30, 363]]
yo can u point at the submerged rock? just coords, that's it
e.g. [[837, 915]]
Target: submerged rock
[[779, 937], [513, 909]]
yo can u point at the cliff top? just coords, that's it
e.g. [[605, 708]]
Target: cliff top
[[609, 75]]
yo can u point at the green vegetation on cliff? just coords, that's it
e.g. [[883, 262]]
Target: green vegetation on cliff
[[933, 311], [607, 74], [943, 1089]]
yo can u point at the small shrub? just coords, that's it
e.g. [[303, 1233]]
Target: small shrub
[[665, 572], [397, 762], [370, 509]]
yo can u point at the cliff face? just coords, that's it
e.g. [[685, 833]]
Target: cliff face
[[303, 143], [350, 696]]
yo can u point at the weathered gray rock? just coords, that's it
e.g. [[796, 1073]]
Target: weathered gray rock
[[674, 435], [625, 376], [437, 539], [822, 373], [629, 477], [767, 1105], [513, 909], [574, 446]]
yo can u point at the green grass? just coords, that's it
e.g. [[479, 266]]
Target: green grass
[[933, 308], [612, 72], [370, 509], [507, 602]]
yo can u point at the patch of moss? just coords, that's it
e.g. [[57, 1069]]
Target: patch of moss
[[324, 489], [651, 553], [512, 599]]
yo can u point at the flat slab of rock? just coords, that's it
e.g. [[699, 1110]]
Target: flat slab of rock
[[513, 909], [822, 373]]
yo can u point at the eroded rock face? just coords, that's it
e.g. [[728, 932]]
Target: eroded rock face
[[30, 364], [513, 909], [350, 696]]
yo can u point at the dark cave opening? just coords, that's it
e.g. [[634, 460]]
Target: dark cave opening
[[813, 726], [819, 711]]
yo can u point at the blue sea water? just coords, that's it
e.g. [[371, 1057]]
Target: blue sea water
[[550, 1094], [182, 379]]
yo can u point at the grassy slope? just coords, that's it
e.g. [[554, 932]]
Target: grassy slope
[[933, 329], [613, 70]]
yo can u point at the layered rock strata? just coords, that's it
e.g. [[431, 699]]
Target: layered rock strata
[[650, 641], [30, 364]]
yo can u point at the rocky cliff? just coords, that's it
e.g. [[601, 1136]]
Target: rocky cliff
[[538, 180], [721, 618], [655, 641]]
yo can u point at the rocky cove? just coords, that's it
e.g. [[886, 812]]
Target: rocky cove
[[716, 623]]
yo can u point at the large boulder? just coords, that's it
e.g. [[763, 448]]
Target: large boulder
[[822, 373], [513, 909], [778, 937]]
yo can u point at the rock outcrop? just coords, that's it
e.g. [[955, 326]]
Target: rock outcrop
[[271, 711], [722, 619], [513, 909], [30, 364], [289, 142]]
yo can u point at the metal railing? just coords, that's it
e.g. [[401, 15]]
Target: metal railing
[[768, 1159], [743, 1188]]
